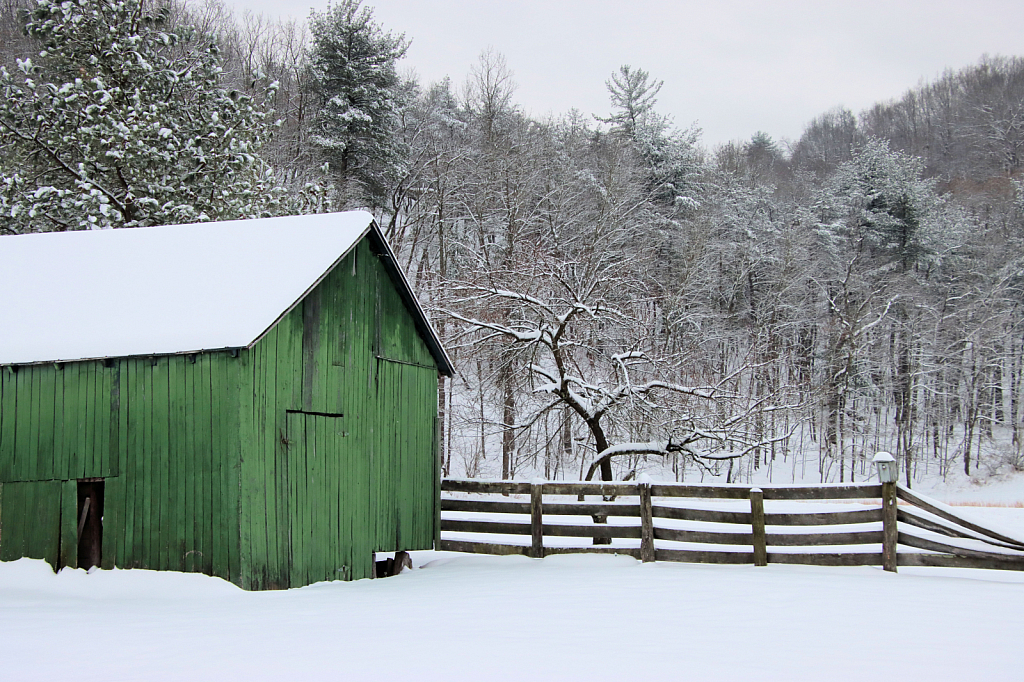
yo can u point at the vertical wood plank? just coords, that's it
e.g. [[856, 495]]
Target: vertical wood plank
[[144, 486], [69, 524], [45, 460], [188, 501], [299, 468], [113, 524], [248, 450], [131, 416], [31, 471], [179, 453], [238, 381], [537, 520], [436, 502], [57, 448], [890, 532], [101, 408], [646, 522], [218, 454], [232, 501], [268, 454], [22, 426], [8, 422], [206, 453], [122, 462], [114, 421], [757, 525]]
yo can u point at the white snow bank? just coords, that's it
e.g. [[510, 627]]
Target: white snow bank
[[511, 618]]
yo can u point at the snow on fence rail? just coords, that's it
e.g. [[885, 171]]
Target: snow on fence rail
[[672, 525]]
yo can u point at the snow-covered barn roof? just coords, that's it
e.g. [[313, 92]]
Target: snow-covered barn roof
[[173, 289]]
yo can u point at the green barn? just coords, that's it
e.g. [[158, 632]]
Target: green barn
[[255, 400]]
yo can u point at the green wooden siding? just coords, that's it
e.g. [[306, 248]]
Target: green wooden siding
[[339, 454], [59, 423], [288, 464], [147, 427], [41, 502]]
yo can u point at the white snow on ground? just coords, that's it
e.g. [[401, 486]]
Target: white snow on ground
[[1003, 490], [460, 617]]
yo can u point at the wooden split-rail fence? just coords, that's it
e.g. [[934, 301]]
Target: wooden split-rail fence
[[897, 527]]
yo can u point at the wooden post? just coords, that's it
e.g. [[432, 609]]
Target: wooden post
[[757, 526], [537, 520], [889, 531], [646, 522]]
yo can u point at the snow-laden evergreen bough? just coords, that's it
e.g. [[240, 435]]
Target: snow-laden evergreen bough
[[352, 69], [122, 121]]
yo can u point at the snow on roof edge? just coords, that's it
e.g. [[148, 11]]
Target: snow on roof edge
[[314, 285], [423, 324]]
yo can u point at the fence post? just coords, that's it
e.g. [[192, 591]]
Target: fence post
[[889, 531], [646, 522], [757, 527], [888, 474], [537, 520]]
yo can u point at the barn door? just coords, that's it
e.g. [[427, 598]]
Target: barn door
[[323, 491]]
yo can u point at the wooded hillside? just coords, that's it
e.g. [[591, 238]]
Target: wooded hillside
[[616, 296]]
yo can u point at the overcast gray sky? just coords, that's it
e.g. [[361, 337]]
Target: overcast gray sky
[[734, 67]]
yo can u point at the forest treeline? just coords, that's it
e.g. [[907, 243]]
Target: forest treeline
[[616, 296]]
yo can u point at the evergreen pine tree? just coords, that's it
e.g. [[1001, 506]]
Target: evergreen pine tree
[[353, 67], [123, 121]]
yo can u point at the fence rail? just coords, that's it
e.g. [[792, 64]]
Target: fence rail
[[917, 532]]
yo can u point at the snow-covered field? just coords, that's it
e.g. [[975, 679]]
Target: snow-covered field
[[461, 617]]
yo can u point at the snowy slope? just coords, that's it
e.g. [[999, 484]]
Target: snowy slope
[[156, 290], [460, 617]]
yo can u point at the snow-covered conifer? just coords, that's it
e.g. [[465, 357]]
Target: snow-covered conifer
[[122, 120], [353, 67]]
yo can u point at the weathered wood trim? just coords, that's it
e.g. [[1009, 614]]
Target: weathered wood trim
[[624, 551], [908, 540], [552, 530], [911, 519], [646, 524], [700, 491], [484, 506], [537, 521], [595, 531], [606, 489], [468, 485], [578, 509], [904, 494], [825, 492], [550, 508], [889, 530], [689, 556], [712, 516], [824, 539], [708, 537], [950, 561], [824, 518], [757, 527], [483, 548], [848, 559]]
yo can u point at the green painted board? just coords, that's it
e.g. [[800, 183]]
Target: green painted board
[[30, 515]]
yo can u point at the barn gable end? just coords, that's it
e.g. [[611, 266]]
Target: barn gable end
[[278, 463]]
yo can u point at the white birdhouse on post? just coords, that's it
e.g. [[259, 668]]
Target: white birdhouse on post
[[888, 472]]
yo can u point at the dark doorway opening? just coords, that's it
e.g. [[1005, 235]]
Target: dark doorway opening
[[386, 568], [90, 522]]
